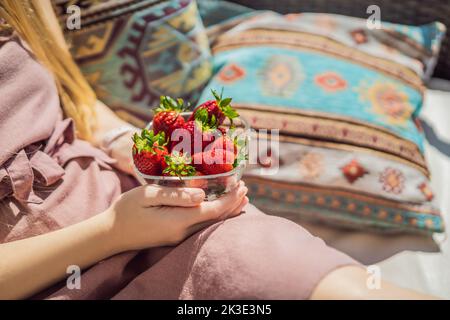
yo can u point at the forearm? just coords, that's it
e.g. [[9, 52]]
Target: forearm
[[116, 134], [106, 121], [350, 283], [31, 265]]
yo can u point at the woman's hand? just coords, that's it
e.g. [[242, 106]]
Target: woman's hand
[[151, 216], [144, 217], [121, 151]]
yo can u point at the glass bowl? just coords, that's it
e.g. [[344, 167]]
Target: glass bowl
[[215, 185]]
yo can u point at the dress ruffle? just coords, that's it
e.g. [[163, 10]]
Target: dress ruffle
[[42, 166]]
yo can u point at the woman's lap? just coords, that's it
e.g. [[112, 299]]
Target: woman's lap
[[251, 256]]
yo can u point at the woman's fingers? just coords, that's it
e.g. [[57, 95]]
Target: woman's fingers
[[235, 210], [151, 196], [239, 209], [213, 210], [199, 226]]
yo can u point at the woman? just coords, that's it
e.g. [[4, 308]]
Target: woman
[[61, 202]]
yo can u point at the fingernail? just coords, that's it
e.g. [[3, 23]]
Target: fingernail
[[198, 196]]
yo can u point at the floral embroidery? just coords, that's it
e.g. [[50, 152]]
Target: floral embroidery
[[382, 214], [366, 210], [359, 36], [353, 171], [363, 208], [325, 22], [290, 197], [281, 76], [351, 206], [231, 73], [330, 82], [335, 203], [320, 200], [311, 165], [429, 223], [388, 101], [261, 190], [304, 198], [292, 16], [393, 180], [275, 194], [426, 191]]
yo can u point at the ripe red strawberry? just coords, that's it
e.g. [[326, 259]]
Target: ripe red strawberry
[[214, 161], [197, 183], [181, 145], [149, 151], [223, 142], [178, 165], [214, 112], [197, 132], [167, 116], [222, 130]]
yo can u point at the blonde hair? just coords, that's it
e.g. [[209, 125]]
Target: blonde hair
[[36, 23]]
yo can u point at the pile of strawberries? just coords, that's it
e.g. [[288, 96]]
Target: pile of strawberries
[[154, 152]]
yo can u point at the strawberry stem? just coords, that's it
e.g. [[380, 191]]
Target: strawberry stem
[[149, 141], [167, 103], [179, 165], [225, 105]]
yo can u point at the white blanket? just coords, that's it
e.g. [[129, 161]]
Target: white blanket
[[414, 262]]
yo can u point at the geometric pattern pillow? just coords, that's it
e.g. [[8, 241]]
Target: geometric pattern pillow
[[346, 100], [133, 51]]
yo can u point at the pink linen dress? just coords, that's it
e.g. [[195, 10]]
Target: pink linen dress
[[49, 180]]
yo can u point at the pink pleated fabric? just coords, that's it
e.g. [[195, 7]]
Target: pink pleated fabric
[[50, 180]]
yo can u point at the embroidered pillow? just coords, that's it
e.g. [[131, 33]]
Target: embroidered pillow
[[345, 99], [133, 51]]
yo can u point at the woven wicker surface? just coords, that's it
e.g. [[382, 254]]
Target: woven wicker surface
[[413, 12]]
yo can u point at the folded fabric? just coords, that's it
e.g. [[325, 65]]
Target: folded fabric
[[345, 99], [133, 51]]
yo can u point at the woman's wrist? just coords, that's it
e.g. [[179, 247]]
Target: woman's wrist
[[120, 150], [106, 233], [109, 138]]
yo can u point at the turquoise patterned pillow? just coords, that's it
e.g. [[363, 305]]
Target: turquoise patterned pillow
[[345, 99], [133, 51]]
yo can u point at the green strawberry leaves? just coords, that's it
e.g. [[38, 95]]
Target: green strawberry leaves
[[139, 142], [149, 141], [225, 102], [179, 165], [167, 103], [202, 115], [203, 121], [239, 158], [225, 105], [241, 144]]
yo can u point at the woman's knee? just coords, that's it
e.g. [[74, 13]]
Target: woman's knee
[[256, 256]]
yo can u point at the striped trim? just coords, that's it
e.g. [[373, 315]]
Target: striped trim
[[306, 41], [348, 207], [333, 130]]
